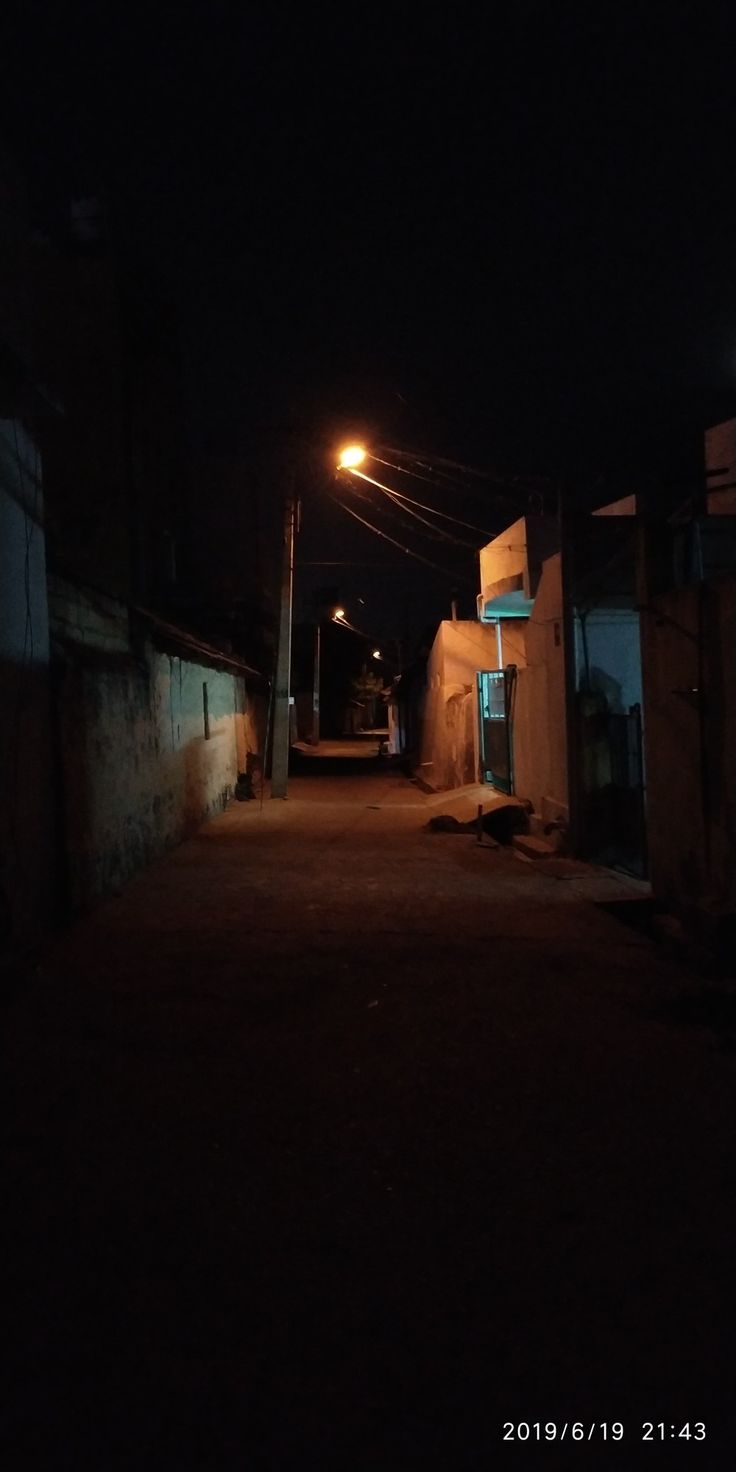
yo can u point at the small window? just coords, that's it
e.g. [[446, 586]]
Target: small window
[[206, 710]]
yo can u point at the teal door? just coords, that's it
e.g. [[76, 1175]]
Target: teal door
[[494, 701]]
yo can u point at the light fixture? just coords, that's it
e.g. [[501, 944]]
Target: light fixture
[[351, 456]]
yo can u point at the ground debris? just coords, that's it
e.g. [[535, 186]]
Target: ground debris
[[499, 823]]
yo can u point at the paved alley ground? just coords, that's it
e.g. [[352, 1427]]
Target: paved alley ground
[[333, 1142]]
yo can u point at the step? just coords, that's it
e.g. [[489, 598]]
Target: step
[[534, 848], [540, 827]]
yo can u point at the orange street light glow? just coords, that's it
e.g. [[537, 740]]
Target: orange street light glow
[[351, 456], [339, 613]]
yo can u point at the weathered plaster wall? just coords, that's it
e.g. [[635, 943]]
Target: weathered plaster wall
[[448, 752], [690, 738], [27, 815], [143, 764]]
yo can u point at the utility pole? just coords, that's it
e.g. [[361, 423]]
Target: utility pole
[[314, 738], [281, 710]]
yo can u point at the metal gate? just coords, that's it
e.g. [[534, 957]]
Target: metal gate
[[495, 688]]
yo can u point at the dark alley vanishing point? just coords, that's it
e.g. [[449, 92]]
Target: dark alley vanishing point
[[336, 1141]]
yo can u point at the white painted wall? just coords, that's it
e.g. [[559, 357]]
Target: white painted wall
[[510, 565], [513, 643], [448, 752], [504, 557]]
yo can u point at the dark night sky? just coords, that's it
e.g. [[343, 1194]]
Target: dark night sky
[[507, 240]]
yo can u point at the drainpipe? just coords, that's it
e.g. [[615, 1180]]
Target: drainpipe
[[499, 646]]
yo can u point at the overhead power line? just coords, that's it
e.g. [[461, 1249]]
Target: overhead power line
[[435, 532], [407, 550], [516, 488], [400, 496]]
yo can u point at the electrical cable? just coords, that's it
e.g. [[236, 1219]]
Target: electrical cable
[[524, 486], [436, 532], [458, 541], [445, 482], [454, 577], [399, 496], [446, 516], [432, 480], [404, 512]]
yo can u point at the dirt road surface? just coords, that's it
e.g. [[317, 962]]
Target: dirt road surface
[[336, 1142]]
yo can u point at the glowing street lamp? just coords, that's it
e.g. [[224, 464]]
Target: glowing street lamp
[[351, 456], [377, 654]]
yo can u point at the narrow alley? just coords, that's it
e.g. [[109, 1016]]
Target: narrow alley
[[336, 1141]]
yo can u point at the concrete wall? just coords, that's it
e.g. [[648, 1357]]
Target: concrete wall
[[448, 752], [690, 737], [142, 766], [511, 565], [539, 730], [504, 558], [513, 643], [27, 804]]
